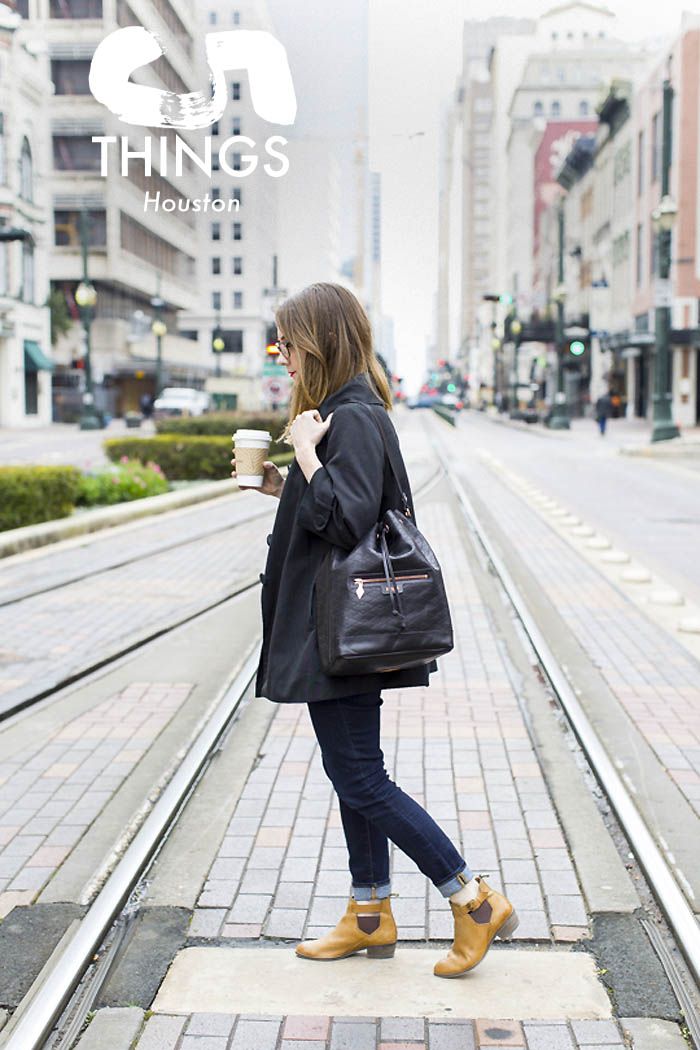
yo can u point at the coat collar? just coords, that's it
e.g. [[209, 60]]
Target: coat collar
[[356, 389]]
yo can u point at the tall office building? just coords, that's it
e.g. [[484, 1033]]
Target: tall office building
[[141, 261], [25, 345]]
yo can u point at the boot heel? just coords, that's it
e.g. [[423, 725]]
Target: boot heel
[[381, 951], [509, 927]]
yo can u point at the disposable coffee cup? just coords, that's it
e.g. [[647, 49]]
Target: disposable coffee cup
[[252, 449]]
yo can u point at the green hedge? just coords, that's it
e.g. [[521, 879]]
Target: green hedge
[[186, 458], [223, 423], [31, 494]]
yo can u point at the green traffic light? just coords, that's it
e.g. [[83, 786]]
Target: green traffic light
[[577, 348], [451, 388], [505, 298]]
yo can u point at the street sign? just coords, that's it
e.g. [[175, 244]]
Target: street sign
[[274, 389], [663, 294]]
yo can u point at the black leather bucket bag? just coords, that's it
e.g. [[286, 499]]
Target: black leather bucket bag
[[382, 606]]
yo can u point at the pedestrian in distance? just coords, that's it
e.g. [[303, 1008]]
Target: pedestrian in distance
[[337, 489], [603, 411]]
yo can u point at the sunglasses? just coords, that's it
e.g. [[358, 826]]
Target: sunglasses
[[284, 348]]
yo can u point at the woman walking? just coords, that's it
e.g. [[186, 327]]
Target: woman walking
[[338, 486]]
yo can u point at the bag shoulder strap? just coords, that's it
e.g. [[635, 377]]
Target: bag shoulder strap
[[392, 459]]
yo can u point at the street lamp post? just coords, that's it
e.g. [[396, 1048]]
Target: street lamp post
[[515, 331], [559, 417], [218, 343], [159, 329], [664, 217], [86, 297]]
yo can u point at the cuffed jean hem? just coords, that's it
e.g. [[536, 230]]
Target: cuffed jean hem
[[364, 893], [456, 882]]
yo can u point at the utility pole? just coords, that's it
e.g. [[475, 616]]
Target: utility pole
[[559, 417], [664, 218]]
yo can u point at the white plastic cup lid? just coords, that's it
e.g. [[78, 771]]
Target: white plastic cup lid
[[252, 435]]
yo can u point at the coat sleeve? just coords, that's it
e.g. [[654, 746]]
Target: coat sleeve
[[343, 498]]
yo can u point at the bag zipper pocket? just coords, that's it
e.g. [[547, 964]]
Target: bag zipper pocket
[[362, 580]]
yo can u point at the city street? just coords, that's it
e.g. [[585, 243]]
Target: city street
[[63, 444], [256, 860]]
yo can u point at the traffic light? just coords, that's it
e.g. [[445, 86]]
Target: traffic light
[[218, 343], [271, 340], [577, 350], [501, 297]]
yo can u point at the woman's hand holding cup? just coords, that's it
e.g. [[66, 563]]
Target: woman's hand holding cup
[[273, 481]]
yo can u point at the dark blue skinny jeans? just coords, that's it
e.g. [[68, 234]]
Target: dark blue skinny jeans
[[373, 808]]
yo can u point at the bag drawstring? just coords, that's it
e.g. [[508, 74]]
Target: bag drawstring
[[391, 580]]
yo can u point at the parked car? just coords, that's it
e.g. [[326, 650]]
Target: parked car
[[423, 401], [181, 401]]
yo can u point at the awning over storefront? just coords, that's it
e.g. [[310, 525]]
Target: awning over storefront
[[35, 360]]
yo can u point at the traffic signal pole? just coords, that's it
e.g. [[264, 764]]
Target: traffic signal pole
[[559, 417]]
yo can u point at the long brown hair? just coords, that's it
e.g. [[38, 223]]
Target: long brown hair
[[331, 333]]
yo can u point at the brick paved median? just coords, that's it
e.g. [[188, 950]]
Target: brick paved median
[[460, 746], [53, 790]]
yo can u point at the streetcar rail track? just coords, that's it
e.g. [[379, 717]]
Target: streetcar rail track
[[10, 708], [660, 877], [150, 551]]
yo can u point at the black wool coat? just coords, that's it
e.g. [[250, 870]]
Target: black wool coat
[[344, 498]]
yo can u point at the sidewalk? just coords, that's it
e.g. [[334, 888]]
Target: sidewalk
[[462, 748], [628, 436]]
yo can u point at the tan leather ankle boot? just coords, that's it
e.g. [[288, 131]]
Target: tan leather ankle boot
[[489, 915], [371, 927]]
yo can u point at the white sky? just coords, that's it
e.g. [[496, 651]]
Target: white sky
[[414, 60]]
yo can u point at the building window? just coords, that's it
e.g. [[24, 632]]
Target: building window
[[215, 163], [155, 250], [655, 147], [583, 108], [216, 264], [26, 172], [75, 153], [216, 231], [75, 8], [66, 226], [238, 265], [640, 253], [71, 77], [238, 300], [555, 108], [216, 300], [236, 162], [3, 167], [236, 126], [233, 341], [237, 194], [215, 128], [236, 18], [237, 231], [22, 8], [215, 193], [538, 109], [213, 18], [640, 163], [28, 271], [4, 269], [236, 91], [560, 74]]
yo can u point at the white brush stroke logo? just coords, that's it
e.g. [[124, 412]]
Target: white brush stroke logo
[[255, 51]]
